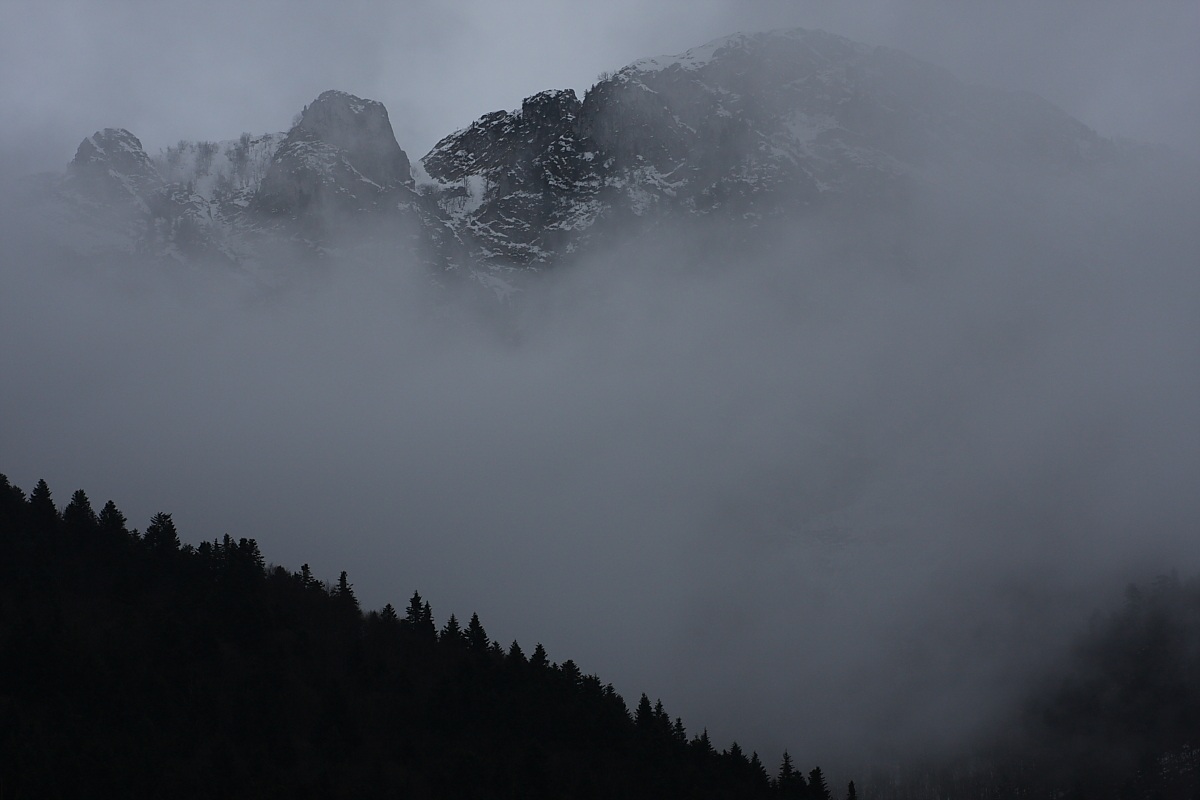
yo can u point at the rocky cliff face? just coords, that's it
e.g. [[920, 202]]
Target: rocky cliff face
[[361, 130], [111, 166], [519, 186], [745, 128], [341, 155]]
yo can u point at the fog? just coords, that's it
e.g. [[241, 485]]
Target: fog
[[843, 488]]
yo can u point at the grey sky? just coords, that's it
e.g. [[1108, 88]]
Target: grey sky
[[173, 70]]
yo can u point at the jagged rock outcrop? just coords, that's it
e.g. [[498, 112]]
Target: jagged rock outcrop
[[341, 156], [516, 184], [746, 127], [111, 166], [743, 130], [363, 132]]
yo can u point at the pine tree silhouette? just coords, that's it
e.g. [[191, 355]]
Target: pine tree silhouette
[[161, 537], [344, 592], [817, 787], [43, 516], [451, 634], [477, 638], [539, 660], [78, 517], [113, 523]]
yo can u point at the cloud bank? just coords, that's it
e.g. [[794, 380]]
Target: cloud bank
[[841, 487]]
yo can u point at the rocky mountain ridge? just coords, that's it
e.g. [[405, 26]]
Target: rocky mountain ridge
[[747, 128]]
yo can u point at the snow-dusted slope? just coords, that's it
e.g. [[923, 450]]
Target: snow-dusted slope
[[110, 165], [239, 201], [219, 169], [341, 154], [745, 128]]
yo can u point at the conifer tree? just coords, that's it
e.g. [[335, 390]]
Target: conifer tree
[[344, 592], [570, 670], [43, 515], [12, 505], [817, 787], [250, 557], [307, 579], [760, 771], [78, 516], [786, 769], [412, 615], [539, 659], [113, 522], [791, 781], [477, 638], [418, 618], [643, 717], [662, 722], [451, 634], [161, 536]]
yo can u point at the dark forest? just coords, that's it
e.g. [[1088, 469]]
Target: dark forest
[[133, 664]]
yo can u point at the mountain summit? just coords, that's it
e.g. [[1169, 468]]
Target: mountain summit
[[110, 165], [342, 152], [746, 129], [749, 124], [360, 129]]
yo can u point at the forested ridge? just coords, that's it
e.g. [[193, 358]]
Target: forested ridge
[[132, 664], [1119, 719]]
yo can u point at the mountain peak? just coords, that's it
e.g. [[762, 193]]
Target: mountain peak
[[111, 164], [361, 129], [107, 141], [750, 127], [731, 44]]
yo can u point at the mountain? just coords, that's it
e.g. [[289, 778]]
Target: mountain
[[747, 125], [746, 129]]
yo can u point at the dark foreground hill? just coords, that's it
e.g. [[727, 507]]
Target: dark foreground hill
[[132, 665]]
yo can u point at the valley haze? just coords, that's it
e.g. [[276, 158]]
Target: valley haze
[[840, 479]]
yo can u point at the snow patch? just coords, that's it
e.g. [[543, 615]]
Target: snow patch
[[691, 59]]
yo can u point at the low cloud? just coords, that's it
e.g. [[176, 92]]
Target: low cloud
[[840, 487]]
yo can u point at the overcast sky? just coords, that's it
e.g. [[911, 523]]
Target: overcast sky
[[211, 70]]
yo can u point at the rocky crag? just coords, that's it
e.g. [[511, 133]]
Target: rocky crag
[[746, 129]]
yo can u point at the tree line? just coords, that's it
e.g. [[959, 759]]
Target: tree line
[[134, 664]]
